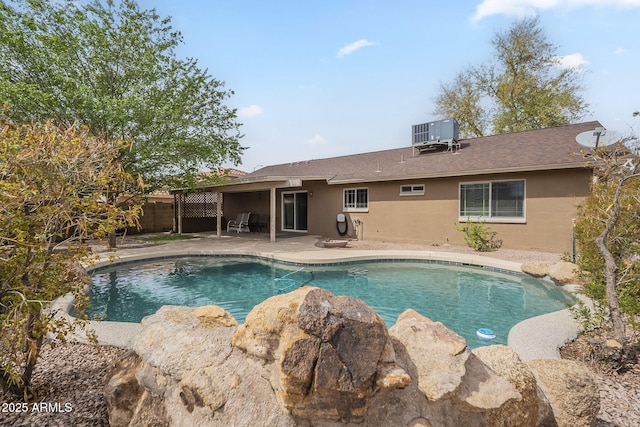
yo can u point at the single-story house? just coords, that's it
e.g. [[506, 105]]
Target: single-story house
[[526, 186]]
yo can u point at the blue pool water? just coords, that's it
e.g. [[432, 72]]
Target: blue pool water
[[463, 298]]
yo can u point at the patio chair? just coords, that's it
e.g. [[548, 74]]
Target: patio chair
[[240, 224]]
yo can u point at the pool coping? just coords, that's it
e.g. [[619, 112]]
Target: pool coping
[[538, 337]]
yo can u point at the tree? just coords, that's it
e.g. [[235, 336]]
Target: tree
[[608, 232], [55, 187], [114, 69], [523, 88], [462, 99]]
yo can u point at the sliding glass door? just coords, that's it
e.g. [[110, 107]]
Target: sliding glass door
[[294, 211]]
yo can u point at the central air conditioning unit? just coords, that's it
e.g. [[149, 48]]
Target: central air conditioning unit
[[431, 135]]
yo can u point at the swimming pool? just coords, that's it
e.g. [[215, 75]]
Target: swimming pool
[[462, 298]]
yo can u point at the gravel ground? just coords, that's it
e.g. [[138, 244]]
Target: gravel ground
[[68, 381], [618, 378], [619, 400], [69, 378], [504, 254]]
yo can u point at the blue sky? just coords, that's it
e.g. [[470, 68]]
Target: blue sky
[[316, 79]]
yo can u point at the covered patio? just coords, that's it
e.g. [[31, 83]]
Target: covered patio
[[211, 203]]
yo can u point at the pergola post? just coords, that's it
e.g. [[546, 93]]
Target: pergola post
[[219, 214], [272, 214], [179, 208]]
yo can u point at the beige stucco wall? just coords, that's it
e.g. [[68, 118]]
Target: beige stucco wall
[[551, 202]]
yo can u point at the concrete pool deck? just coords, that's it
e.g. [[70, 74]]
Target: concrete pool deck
[[536, 338]]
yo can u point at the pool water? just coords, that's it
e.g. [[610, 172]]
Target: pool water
[[463, 298]]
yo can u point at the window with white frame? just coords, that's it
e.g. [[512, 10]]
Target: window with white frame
[[412, 190], [492, 201], [356, 200]]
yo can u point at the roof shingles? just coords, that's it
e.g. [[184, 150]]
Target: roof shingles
[[542, 149]]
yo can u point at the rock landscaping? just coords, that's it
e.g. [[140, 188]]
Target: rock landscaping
[[300, 370], [617, 376], [77, 374], [311, 358]]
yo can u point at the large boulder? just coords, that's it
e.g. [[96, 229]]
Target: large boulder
[[192, 375], [522, 411], [331, 352], [123, 392], [536, 268], [439, 353], [312, 358], [570, 389], [561, 273], [466, 389], [564, 273]]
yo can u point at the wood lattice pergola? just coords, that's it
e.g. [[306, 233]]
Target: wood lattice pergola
[[207, 202]]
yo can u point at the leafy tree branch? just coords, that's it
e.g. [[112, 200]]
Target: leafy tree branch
[[113, 67], [56, 187], [523, 88]]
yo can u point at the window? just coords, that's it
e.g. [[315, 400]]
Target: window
[[356, 200], [412, 190], [496, 201]]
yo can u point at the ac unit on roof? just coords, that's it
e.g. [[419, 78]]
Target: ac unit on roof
[[431, 134]]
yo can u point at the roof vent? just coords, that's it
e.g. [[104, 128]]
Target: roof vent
[[431, 135]]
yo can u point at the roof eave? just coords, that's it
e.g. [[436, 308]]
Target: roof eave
[[267, 182], [338, 181], [253, 184]]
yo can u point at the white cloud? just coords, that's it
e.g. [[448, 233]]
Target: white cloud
[[521, 8], [316, 140], [619, 51], [497, 7], [349, 49], [250, 111], [575, 61]]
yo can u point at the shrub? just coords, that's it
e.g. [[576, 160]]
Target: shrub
[[624, 243], [590, 318], [479, 237], [58, 187]]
